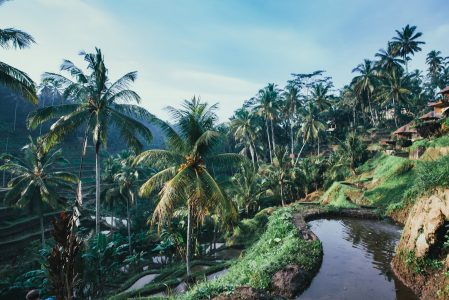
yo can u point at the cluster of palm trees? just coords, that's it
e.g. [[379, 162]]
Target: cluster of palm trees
[[192, 178]]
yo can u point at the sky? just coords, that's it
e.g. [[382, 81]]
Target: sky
[[221, 50]]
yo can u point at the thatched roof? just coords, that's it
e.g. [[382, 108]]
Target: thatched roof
[[405, 130], [432, 115]]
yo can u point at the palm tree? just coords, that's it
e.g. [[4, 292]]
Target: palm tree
[[365, 83], [320, 96], [388, 60], [14, 79], [310, 128], [126, 181], [436, 65], [395, 88], [267, 107], [184, 178], [98, 105], [406, 43], [34, 180], [291, 96], [245, 132], [248, 188], [280, 171]]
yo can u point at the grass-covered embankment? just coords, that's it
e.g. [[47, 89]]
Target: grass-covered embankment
[[389, 183], [277, 247]]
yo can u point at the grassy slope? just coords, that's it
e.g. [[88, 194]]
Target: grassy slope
[[278, 246]]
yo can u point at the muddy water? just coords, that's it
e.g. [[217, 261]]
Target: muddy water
[[356, 261]]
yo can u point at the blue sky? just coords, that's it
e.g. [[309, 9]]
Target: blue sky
[[224, 50]]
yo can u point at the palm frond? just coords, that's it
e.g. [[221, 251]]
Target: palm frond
[[156, 181], [15, 38], [159, 158], [42, 115], [18, 81]]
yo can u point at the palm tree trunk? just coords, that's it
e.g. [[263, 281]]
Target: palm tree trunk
[[251, 151], [394, 113], [128, 222], [6, 151], [97, 190], [282, 195], [292, 142], [371, 111], [112, 221], [41, 220], [272, 137], [300, 151], [189, 221], [268, 139]]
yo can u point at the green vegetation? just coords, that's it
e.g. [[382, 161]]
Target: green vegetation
[[164, 209], [278, 246]]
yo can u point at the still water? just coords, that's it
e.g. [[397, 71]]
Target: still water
[[356, 261]]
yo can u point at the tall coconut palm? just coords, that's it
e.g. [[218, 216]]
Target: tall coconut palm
[[365, 83], [406, 43], [388, 59], [126, 183], [310, 128], [320, 96], [291, 96], [245, 132], [14, 79], [436, 65], [395, 88], [34, 180], [97, 105], [267, 107], [184, 179]]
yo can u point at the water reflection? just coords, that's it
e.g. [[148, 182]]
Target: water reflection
[[356, 262]]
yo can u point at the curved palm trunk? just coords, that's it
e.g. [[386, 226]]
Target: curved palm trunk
[[97, 190], [251, 151], [300, 151], [128, 221], [189, 224], [268, 140]]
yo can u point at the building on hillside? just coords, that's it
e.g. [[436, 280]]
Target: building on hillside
[[429, 124]]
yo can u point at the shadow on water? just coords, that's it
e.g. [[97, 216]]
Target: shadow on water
[[356, 262]]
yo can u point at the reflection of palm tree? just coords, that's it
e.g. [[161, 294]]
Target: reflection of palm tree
[[185, 178], [98, 105], [13, 78], [34, 180]]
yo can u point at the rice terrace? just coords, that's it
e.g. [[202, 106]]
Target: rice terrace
[[226, 150]]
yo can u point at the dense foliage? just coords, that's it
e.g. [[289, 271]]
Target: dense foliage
[[155, 209]]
